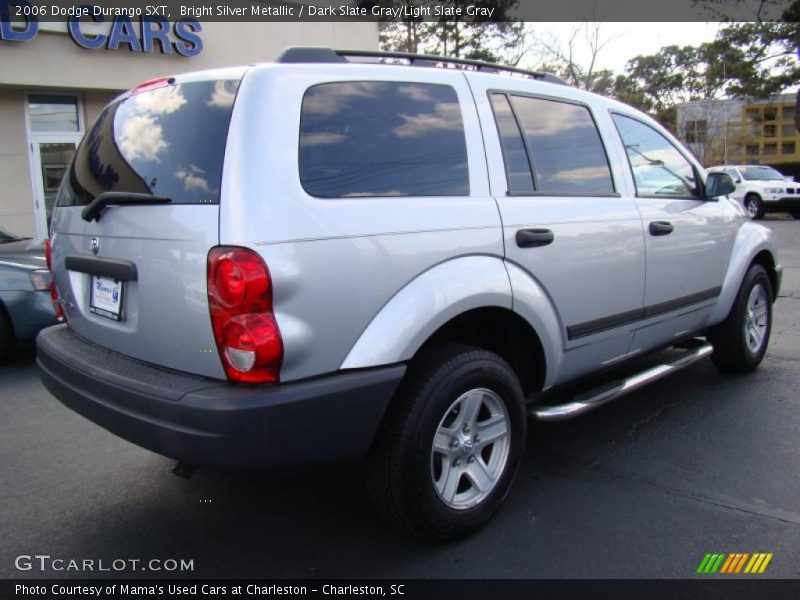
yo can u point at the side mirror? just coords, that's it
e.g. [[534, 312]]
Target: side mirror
[[719, 184]]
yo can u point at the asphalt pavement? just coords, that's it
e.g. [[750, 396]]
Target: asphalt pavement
[[644, 487]]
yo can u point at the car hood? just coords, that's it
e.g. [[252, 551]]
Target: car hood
[[23, 253]]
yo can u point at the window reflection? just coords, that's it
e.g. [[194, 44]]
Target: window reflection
[[382, 139], [169, 141], [568, 155], [518, 169], [658, 168], [53, 113]]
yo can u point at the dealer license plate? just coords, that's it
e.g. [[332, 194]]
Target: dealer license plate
[[105, 297]]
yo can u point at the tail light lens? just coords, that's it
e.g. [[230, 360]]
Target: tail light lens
[[48, 255], [245, 330]]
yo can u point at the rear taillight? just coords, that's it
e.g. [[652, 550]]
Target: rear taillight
[[48, 255], [245, 330]]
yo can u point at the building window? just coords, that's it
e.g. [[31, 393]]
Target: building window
[[752, 115], [788, 130], [787, 148], [52, 114], [770, 131], [788, 113], [696, 131], [770, 148], [770, 113], [751, 149]]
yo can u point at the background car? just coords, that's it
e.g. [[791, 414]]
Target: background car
[[762, 189], [25, 303]]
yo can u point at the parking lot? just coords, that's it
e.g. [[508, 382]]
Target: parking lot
[[644, 487]]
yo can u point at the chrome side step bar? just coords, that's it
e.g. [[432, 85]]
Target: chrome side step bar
[[604, 394]]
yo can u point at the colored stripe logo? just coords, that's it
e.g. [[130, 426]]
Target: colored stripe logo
[[734, 563]]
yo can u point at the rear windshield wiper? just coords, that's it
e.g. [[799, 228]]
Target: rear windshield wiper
[[93, 210]]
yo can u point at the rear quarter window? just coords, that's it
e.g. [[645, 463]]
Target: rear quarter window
[[382, 138]]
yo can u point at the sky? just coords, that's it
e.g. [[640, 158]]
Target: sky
[[627, 40]]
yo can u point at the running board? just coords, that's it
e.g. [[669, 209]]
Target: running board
[[604, 394]]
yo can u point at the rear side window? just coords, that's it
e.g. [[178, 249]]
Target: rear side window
[[168, 141], [566, 152], [382, 138]]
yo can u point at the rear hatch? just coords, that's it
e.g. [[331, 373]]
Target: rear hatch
[[134, 280]]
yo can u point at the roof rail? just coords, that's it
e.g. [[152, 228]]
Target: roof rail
[[301, 54]]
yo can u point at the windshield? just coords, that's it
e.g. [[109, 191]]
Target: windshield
[[761, 173], [168, 141]]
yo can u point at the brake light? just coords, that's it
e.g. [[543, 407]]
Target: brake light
[[48, 256], [245, 330], [152, 84]]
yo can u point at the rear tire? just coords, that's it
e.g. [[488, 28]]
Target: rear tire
[[740, 341], [451, 444], [754, 206]]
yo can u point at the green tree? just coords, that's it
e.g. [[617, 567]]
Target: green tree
[[760, 59], [501, 40]]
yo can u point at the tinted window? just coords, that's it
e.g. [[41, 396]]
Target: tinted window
[[658, 168], [518, 169], [568, 155], [168, 141], [761, 173], [373, 138], [733, 174]]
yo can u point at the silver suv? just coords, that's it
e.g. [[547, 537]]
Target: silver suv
[[336, 257]]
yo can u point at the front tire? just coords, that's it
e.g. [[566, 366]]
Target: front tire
[[451, 445], [740, 341], [754, 206]]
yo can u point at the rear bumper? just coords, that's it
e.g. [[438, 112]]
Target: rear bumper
[[207, 422]]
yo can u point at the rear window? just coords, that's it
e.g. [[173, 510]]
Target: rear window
[[382, 138], [168, 141]]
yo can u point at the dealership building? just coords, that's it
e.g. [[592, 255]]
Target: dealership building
[[56, 77]]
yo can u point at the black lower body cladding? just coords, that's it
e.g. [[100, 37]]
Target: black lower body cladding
[[208, 422]]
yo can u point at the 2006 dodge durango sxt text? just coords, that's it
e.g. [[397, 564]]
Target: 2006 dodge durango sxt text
[[324, 259]]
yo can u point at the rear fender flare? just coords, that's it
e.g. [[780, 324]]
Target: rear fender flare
[[426, 303]]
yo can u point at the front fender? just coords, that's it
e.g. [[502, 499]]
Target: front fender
[[751, 239], [426, 303]]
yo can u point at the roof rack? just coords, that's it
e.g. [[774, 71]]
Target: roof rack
[[302, 54]]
